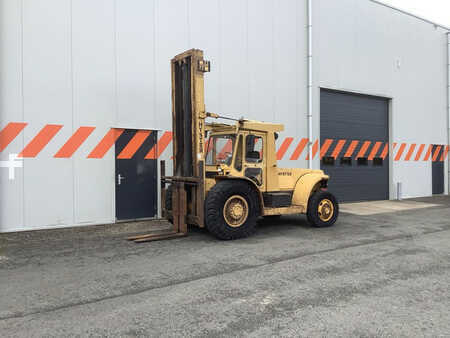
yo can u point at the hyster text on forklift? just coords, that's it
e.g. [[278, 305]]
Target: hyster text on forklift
[[226, 182]]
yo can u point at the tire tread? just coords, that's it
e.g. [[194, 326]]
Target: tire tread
[[215, 201], [312, 215]]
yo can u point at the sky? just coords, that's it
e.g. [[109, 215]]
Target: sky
[[434, 10]]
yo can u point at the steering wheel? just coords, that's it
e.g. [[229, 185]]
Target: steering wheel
[[226, 157]]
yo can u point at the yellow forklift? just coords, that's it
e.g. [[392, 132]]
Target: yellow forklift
[[225, 175]]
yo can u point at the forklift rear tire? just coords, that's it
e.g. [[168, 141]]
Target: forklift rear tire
[[231, 209], [323, 209]]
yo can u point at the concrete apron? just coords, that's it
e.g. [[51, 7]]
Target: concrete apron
[[381, 207]]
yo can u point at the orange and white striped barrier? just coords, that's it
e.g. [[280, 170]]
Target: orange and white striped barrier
[[330, 147]]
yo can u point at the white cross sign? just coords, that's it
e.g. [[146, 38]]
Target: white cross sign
[[11, 164]]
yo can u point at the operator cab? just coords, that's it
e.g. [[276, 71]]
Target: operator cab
[[238, 155]]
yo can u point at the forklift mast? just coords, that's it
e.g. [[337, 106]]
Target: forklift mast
[[188, 121], [188, 125], [188, 113]]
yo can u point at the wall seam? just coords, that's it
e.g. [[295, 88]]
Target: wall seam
[[249, 99], [220, 57], [448, 107], [74, 178], [23, 108], [297, 35], [158, 173], [116, 113], [274, 96], [154, 63], [310, 82], [116, 84]]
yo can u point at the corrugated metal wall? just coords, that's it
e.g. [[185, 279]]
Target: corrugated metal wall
[[105, 63], [364, 47]]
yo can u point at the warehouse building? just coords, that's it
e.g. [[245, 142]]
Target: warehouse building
[[85, 98]]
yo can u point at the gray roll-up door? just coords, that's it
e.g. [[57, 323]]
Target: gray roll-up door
[[352, 117]]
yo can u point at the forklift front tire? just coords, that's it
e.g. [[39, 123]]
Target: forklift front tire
[[323, 209], [231, 209]]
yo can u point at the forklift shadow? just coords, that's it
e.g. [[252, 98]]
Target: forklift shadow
[[265, 226], [287, 221], [283, 226]]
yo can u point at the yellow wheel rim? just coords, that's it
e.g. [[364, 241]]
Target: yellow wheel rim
[[235, 211], [325, 210]]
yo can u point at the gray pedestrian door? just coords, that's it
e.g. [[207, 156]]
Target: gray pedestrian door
[[358, 119], [438, 171]]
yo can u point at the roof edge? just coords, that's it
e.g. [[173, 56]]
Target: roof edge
[[411, 14]]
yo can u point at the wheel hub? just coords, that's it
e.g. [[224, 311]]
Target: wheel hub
[[325, 210], [235, 211]]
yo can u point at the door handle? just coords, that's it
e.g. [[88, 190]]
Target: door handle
[[119, 179]]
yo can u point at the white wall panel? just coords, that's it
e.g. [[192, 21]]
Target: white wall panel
[[234, 61], [47, 61], [260, 58], [290, 73], [136, 63], [47, 99], [172, 37], [93, 59], [11, 199], [94, 183], [410, 174], [94, 102], [11, 110], [11, 105], [204, 35]]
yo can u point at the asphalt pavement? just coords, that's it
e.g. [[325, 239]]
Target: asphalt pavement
[[379, 273]]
